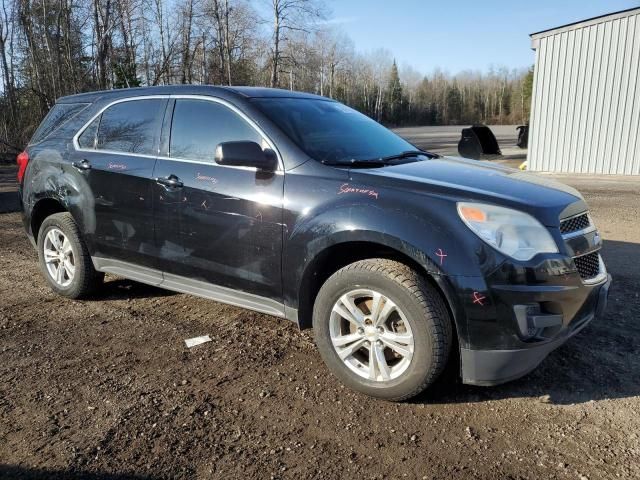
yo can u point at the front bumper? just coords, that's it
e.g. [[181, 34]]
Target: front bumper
[[494, 366]]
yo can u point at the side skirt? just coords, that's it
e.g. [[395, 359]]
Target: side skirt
[[198, 288]]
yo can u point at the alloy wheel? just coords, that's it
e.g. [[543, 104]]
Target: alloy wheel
[[58, 257], [371, 335]]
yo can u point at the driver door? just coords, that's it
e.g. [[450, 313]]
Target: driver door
[[219, 224]]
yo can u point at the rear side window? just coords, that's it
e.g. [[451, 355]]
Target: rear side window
[[131, 127], [199, 126], [57, 116]]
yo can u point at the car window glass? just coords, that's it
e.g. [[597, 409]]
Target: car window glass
[[330, 131], [199, 125], [131, 127], [87, 138], [57, 116]]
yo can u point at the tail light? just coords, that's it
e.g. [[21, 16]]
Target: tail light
[[22, 160]]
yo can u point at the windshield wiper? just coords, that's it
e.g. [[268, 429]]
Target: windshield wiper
[[379, 161], [408, 154]]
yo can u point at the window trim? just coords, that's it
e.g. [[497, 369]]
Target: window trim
[[97, 118], [227, 104]]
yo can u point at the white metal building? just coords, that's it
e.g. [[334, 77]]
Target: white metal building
[[585, 112]]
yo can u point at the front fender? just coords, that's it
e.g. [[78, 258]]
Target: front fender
[[432, 235], [309, 242], [327, 209]]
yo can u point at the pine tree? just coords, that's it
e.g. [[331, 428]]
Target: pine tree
[[394, 96]]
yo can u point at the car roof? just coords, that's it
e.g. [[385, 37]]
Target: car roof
[[244, 92]]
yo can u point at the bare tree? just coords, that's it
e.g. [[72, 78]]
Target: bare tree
[[50, 48], [102, 24], [6, 34], [219, 12], [290, 16], [162, 68]]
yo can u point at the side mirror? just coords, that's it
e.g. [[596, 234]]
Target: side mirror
[[246, 154]]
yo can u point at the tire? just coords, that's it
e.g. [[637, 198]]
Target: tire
[[401, 369], [79, 281]]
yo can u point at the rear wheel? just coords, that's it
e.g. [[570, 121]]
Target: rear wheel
[[64, 258], [382, 329]]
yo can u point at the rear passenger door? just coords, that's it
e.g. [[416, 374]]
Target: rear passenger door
[[115, 154], [218, 224]]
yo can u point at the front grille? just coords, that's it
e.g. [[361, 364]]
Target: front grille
[[574, 224], [588, 265]]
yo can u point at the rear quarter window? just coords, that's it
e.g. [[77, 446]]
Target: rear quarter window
[[57, 116], [88, 137]]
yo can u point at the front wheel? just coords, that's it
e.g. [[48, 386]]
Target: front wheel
[[382, 329]]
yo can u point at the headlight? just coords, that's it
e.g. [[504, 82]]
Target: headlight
[[516, 234]]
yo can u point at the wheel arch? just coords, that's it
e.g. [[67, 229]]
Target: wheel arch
[[326, 262], [42, 209]]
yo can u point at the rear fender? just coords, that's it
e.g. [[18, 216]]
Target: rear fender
[[50, 177]]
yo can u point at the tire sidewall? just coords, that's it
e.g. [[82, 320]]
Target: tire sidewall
[[422, 361]]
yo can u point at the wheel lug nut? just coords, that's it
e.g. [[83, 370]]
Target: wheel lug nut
[[380, 330], [379, 343], [360, 330]]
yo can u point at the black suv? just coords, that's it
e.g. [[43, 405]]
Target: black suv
[[297, 206]]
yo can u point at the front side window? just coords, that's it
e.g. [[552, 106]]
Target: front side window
[[329, 131], [200, 125], [131, 127]]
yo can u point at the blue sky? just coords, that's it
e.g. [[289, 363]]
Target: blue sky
[[460, 35]]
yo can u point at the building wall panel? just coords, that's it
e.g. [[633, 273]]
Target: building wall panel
[[585, 110]]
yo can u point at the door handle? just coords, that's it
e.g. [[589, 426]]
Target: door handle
[[82, 166], [170, 182]]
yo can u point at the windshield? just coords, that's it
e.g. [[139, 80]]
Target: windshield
[[331, 132]]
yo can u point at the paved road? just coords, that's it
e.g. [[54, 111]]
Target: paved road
[[8, 197], [444, 140]]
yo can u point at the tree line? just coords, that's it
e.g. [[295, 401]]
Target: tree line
[[52, 48]]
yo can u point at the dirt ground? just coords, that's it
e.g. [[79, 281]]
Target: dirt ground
[[105, 388]]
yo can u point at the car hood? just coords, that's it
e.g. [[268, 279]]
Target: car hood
[[474, 180]]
